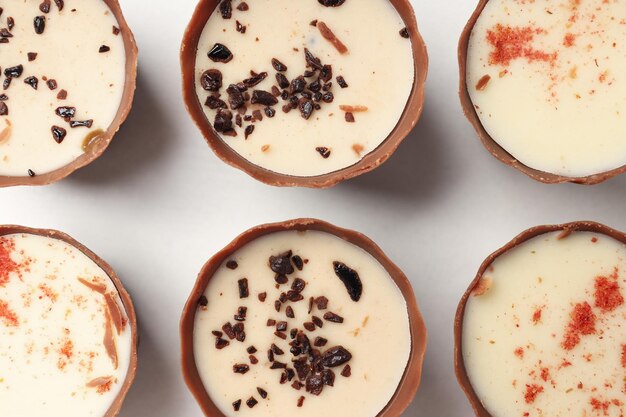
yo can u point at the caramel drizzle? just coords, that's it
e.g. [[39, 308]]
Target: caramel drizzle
[[328, 34]]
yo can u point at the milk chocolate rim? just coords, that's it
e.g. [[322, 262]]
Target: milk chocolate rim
[[98, 145], [116, 406], [459, 363], [409, 384], [488, 142], [405, 124]]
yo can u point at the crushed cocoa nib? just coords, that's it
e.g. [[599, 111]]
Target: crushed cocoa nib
[[237, 405], [6, 83], [317, 321], [328, 97], [240, 28], [294, 296], [346, 371], [229, 331], [278, 66], [31, 56], [298, 285], [262, 392], [251, 350], [40, 24], [235, 97], [14, 72], [62, 95], [226, 9], [241, 314], [326, 73], [332, 317], [238, 120], [281, 263], [270, 355], [217, 333], [309, 326], [342, 82], [276, 92], [257, 115], [328, 377], [321, 303], [289, 312], [249, 130], [300, 402], [243, 6], [60, 4], [314, 384], [281, 335], [297, 85], [293, 102], [81, 123], [404, 32], [276, 350], [231, 133], [4, 109], [298, 262], [350, 279], [253, 359], [116, 30], [320, 342], [221, 343], [281, 326], [283, 378], [297, 385], [32, 81], [241, 368], [306, 108], [311, 60], [58, 133], [4, 33], [66, 112], [220, 53], [293, 332], [281, 279], [262, 297], [10, 22], [243, 288], [331, 3], [255, 79], [264, 98], [278, 365], [45, 6], [240, 334], [31, 173], [324, 151], [335, 356], [251, 402], [349, 117], [223, 120], [232, 264], [313, 23], [286, 108], [211, 80], [277, 305], [271, 322], [3, 97], [104, 49], [330, 36], [202, 301]]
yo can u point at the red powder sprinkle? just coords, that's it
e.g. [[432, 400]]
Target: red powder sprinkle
[[7, 315], [545, 374], [531, 393], [68, 349], [512, 43], [537, 316], [569, 39], [598, 405], [582, 323], [106, 387], [624, 356], [608, 296], [7, 265], [519, 352]]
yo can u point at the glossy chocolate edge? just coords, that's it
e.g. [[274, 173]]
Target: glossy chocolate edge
[[116, 406], [97, 147], [408, 386], [404, 126], [489, 143], [567, 228]]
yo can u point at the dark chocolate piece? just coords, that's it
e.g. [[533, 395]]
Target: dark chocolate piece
[[40, 24], [220, 53], [350, 279], [335, 356], [58, 133]]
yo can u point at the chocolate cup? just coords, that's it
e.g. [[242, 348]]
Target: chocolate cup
[[488, 142], [459, 363], [116, 406], [407, 122], [407, 388], [97, 146]]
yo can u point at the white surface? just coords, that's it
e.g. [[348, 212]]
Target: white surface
[[158, 204]]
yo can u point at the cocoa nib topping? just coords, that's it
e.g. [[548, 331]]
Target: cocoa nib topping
[[14, 72], [10, 22], [220, 53], [243, 6], [289, 312], [211, 80], [251, 402], [346, 371], [4, 33], [45, 6], [241, 368], [60, 4], [331, 3], [255, 79], [40, 24], [350, 279], [278, 66], [320, 342], [4, 109], [342, 82], [324, 151], [223, 120], [237, 405], [32, 81], [251, 350], [66, 112], [335, 356], [321, 303], [81, 123], [240, 28], [262, 392], [62, 95], [350, 117], [281, 264], [221, 343], [31, 173], [243, 288], [241, 314], [404, 32], [58, 133], [202, 301], [232, 264], [264, 98], [104, 49], [116, 30], [332, 317], [262, 297], [213, 103], [31, 56], [226, 9], [300, 402]]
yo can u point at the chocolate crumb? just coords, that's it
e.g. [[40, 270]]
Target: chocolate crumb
[[104, 49], [300, 401], [60, 4], [281, 326], [116, 30], [264, 98], [237, 405], [45, 6], [232, 264], [271, 322], [342, 82], [251, 350], [335, 356], [58, 133], [349, 117], [404, 32], [331, 3], [81, 123], [262, 392], [240, 334], [241, 314], [313, 23], [31, 56], [289, 312], [314, 384], [278, 66], [346, 371], [298, 262], [211, 80], [243, 6], [241, 368], [332, 317], [297, 385], [14, 72], [253, 359], [249, 130], [40, 24], [309, 326], [306, 108], [239, 27], [324, 151], [251, 402], [4, 109], [262, 297], [217, 333], [350, 279], [32, 81], [321, 303], [317, 321], [226, 9], [276, 350], [269, 112], [281, 335], [10, 22], [229, 331], [66, 112], [220, 53], [62, 95], [255, 79], [31, 173], [278, 365], [202, 301], [282, 81], [243, 288], [221, 343], [320, 341]]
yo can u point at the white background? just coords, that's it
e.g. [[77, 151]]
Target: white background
[[158, 204]]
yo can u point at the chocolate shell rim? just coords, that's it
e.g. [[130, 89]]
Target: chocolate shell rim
[[117, 403], [407, 121], [99, 145], [409, 384], [566, 228], [491, 144]]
